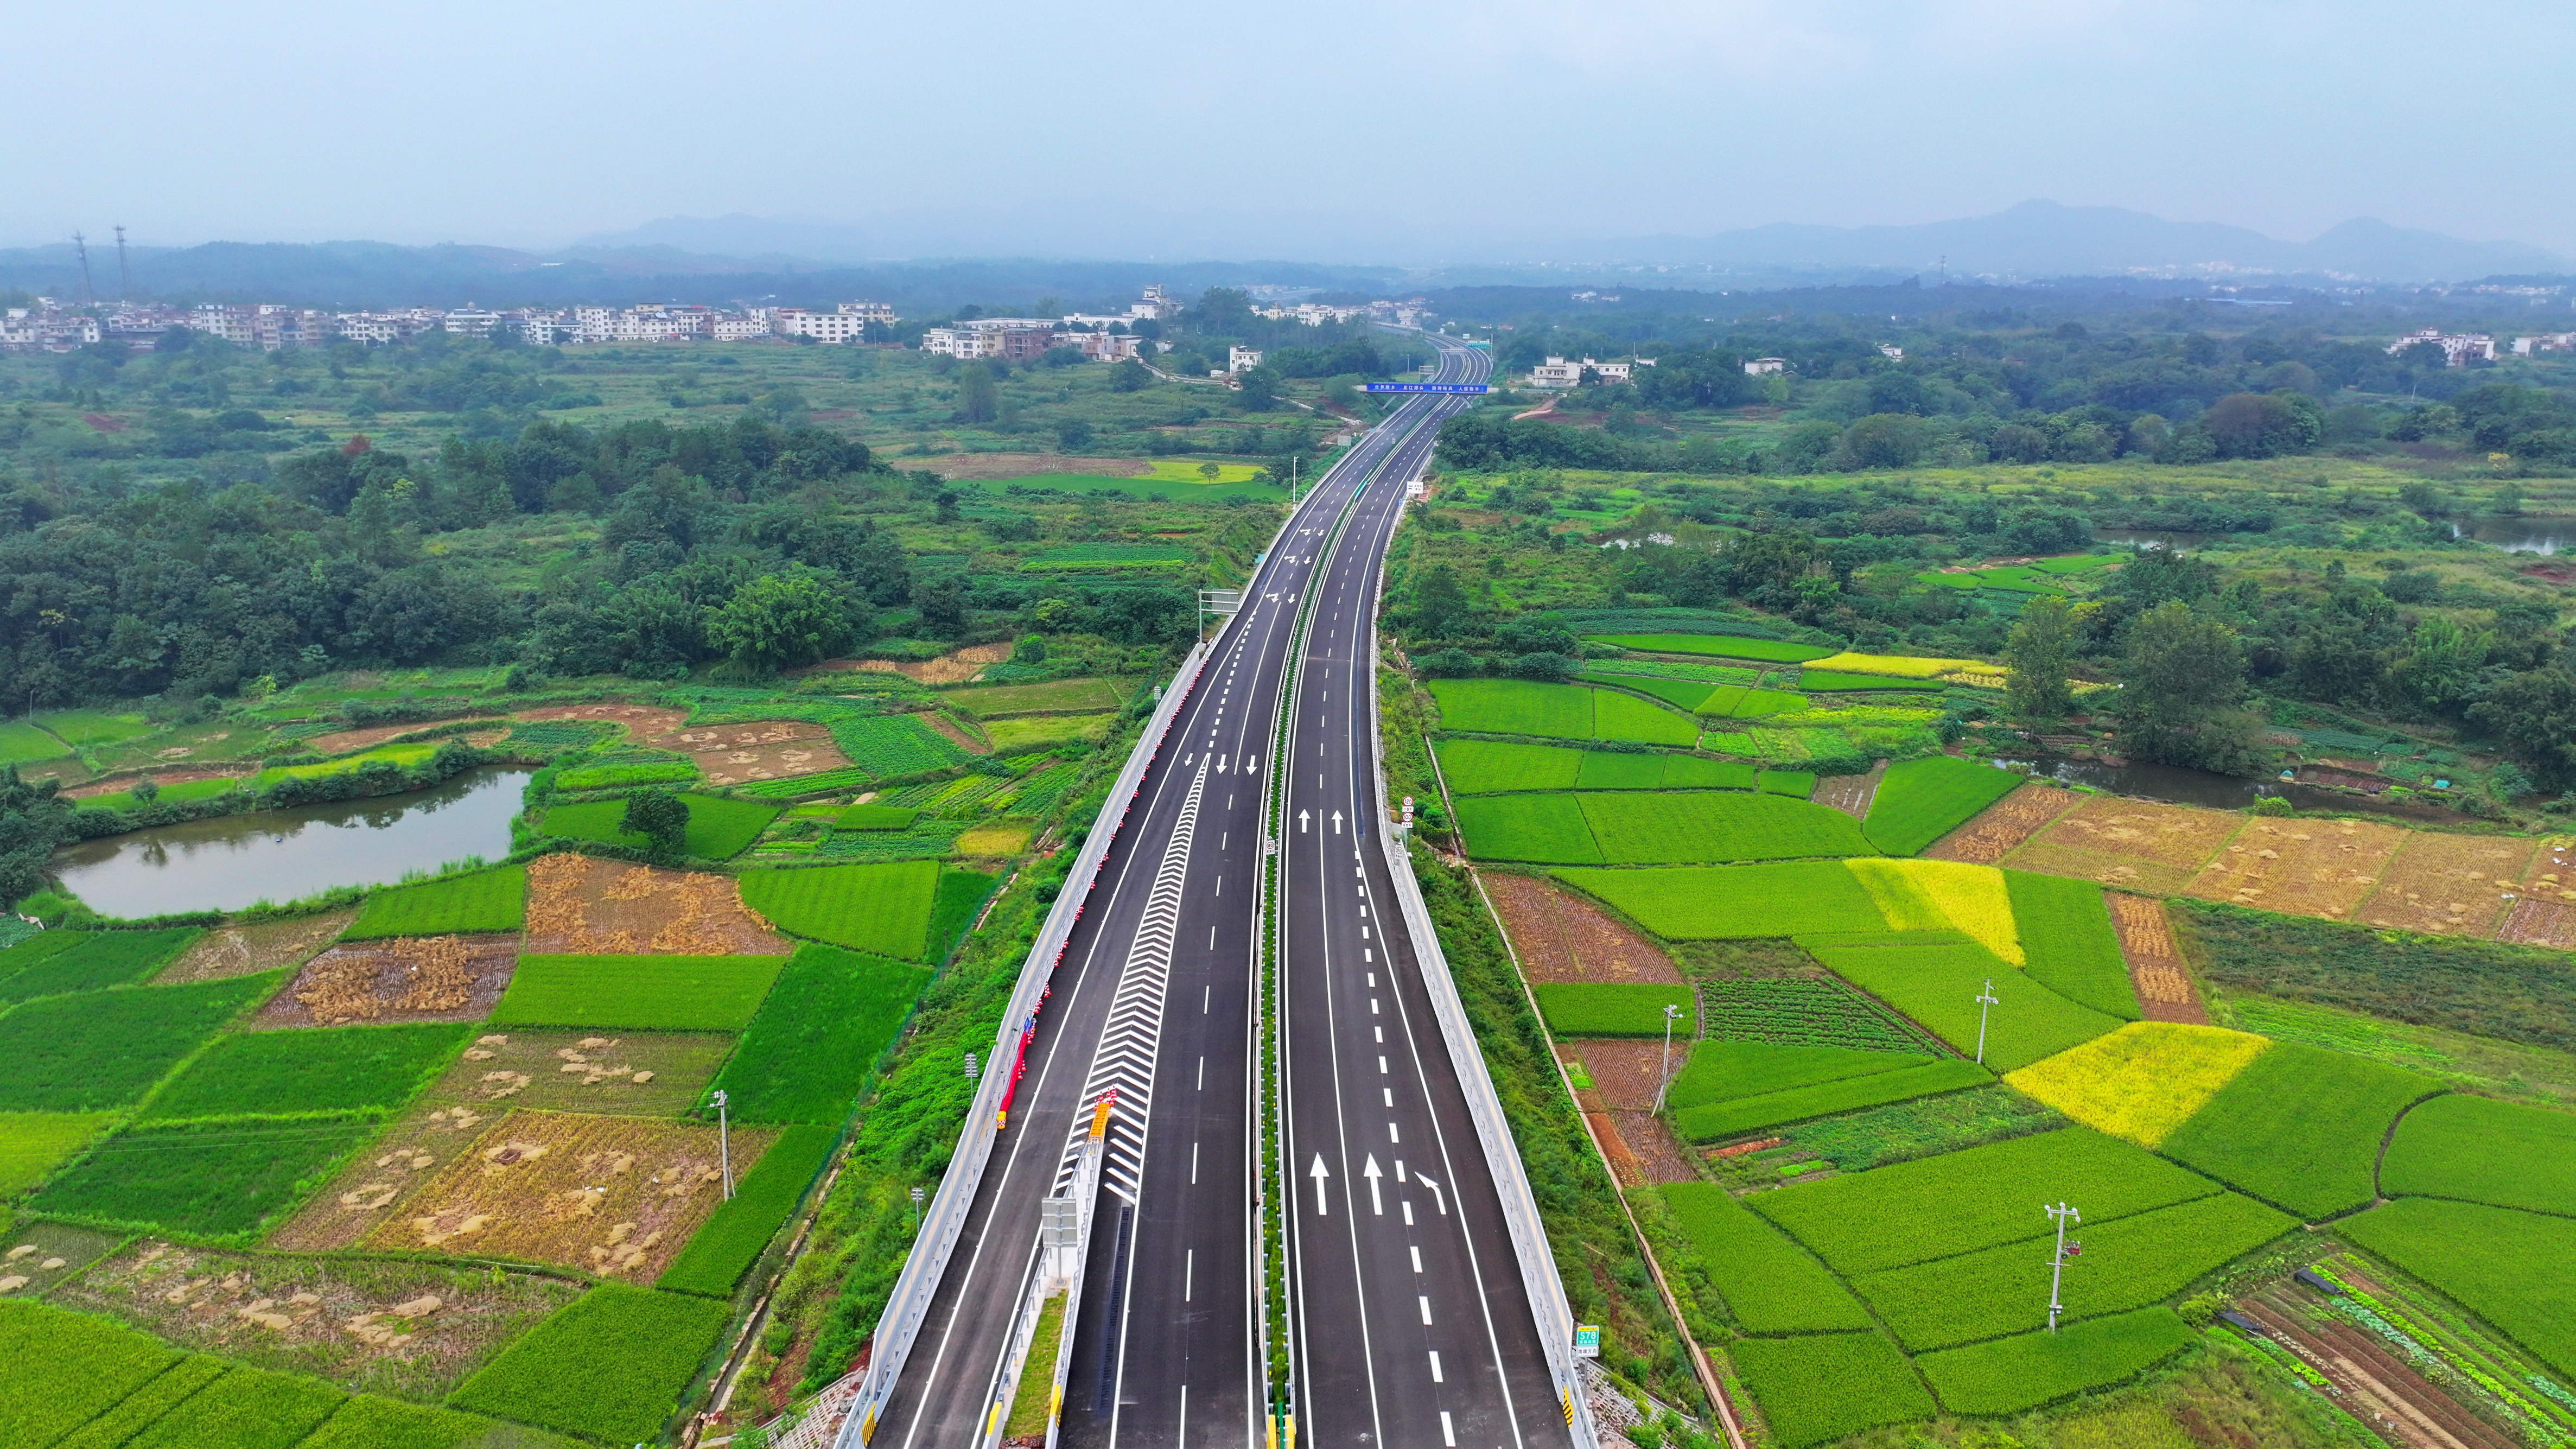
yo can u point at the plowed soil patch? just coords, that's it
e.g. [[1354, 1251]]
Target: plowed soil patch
[[2449, 885], [616, 1196], [581, 906], [2001, 827], [1623, 1164], [2130, 843], [2534, 922], [2300, 867], [955, 667], [1652, 1148], [1623, 1072], [246, 950], [1561, 937], [406, 978], [2156, 972], [642, 721], [1850, 794], [766, 750]]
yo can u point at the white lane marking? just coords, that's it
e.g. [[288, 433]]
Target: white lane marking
[[1416, 1251], [1436, 1378], [1220, 884], [1190, 1270], [1422, 1298], [1381, 1034], [1390, 1133], [1319, 1172], [1408, 1212], [1204, 991], [1194, 1164], [1439, 1199], [1183, 1441], [1373, 1011], [1202, 1074], [1372, 978], [1448, 1435], [1381, 1066], [1211, 938], [1389, 1094]]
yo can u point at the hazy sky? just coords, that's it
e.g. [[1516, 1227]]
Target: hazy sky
[[532, 123]]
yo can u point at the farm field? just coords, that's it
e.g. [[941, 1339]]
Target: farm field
[[2141, 1082], [1936, 895], [2477, 1149], [2027, 1370], [285, 1073], [718, 829], [1802, 1012], [1936, 983], [60, 962], [638, 993], [883, 909], [486, 901], [1770, 1284], [1816, 1388], [608, 1368], [1712, 1121], [818, 1034], [2482, 1257], [1558, 711], [217, 1179], [1922, 800], [2068, 942], [2299, 1126], [1723, 646], [1734, 902], [580, 906], [105, 1049]]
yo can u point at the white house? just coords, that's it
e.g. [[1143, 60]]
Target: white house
[[1765, 366], [2458, 350], [1242, 359]]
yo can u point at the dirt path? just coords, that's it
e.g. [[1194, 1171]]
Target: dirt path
[[2165, 990]]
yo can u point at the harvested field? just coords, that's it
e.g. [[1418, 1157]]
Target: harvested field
[[405, 978], [659, 1074], [2129, 842], [1850, 794], [1658, 1155], [2533, 922], [616, 1196], [2444, 885], [41, 1255], [2300, 867], [580, 906], [737, 754], [2001, 828], [642, 721], [411, 1329], [2164, 987], [1562, 937], [1623, 1072], [246, 950], [954, 667]]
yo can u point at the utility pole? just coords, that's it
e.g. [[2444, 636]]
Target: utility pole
[[2061, 1215], [1986, 1001], [1664, 1079], [917, 1196], [124, 278], [724, 1143], [80, 244]]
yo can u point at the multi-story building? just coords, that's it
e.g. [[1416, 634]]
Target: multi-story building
[[961, 342], [2458, 349], [1765, 366], [743, 326], [1242, 359], [837, 327], [470, 321], [2546, 342]]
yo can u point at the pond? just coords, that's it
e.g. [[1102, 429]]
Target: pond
[[281, 855], [2181, 785], [2533, 533]]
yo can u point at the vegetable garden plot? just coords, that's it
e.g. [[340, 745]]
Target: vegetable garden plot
[[615, 1196], [2299, 1126], [2303, 867], [1798, 1012], [1559, 936], [611, 1367], [638, 993], [2009, 1375], [1918, 1128], [1922, 800], [2442, 884], [2505, 1266], [818, 1036], [2127, 1263], [1515, 707], [2068, 943], [1936, 985], [104, 1049], [1712, 827], [741, 1228], [1940, 895], [2141, 1082], [1961, 1202], [1577, 1009], [1823, 1099], [403, 978], [1720, 1070], [578, 905], [1544, 829], [2164, 844], [1735, 902], [1721, 646], [1816, 1388], [1770, 1284], [482, 903], [2481, 1150], [206, 1179], [412, 1328], [279, 1073], [1484, 767], [880, 908], [92, 961]]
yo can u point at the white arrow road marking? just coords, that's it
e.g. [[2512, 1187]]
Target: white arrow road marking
[[1301, 822], [1439, 1199], [1337, 822], [1319, 1172], [1370, 1172]]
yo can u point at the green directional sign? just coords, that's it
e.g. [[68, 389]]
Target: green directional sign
[[1587, 1340]]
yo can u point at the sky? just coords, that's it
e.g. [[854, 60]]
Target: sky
[[1399, 128]]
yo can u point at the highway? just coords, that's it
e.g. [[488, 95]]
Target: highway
[[1152, 999]]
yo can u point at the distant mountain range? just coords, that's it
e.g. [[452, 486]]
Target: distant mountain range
[[931, 258]]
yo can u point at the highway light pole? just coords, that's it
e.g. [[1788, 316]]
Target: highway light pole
[[1665, 1077], [1986, 1001], [2061, 1215]]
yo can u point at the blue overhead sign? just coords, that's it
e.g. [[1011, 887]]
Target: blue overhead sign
[[1426, 387]]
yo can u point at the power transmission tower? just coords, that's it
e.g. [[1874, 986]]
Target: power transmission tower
[[2061, 1215], [1986, 1001], [80, 244], [124, 278]]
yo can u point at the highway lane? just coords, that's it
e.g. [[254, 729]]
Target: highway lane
[[1158, 1005], [1412, 1324]]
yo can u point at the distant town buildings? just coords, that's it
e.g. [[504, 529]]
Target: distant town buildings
[[54, 325], [2548, 342], [1765, 366], [2458, 350], [1310, 314]]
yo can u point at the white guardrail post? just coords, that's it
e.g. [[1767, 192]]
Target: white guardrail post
[[927, 1263], [1520, 1207]]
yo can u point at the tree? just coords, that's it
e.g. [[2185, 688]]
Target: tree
[[2532, 714], [1439, 605], [1257, 388], [1211, 471], [2263, 425], [660, 817], [2036, 656], [33, 820], [1129, 376], [782, 619], [979, 400], [2181, 677]]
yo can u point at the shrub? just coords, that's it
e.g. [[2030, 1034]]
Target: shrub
[[1922, 800], [818, 1035], [2505, 1266], [91, 1364], [90, 960], [1937, 1206], [2300, 1126], [2031, 1369], [740, 1229], [1613, 1009], [2486, 1151], [610, 1367], [484, 902], [880, 908], [1821, 1387], [1738, 902], [2068, 944], [1770, 1284], [247, 1408], [332, 1069], [103, 1049], [637, 993], [2142, 1081], [1822, 1099], [213, 1179]]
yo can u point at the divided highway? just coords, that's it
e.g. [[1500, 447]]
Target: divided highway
[[1412, 1326]]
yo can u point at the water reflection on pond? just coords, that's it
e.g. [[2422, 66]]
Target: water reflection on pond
[[2535, 533], [280, 855]]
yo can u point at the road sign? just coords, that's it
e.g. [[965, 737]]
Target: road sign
[[1442, 387], [1587, 1340]]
